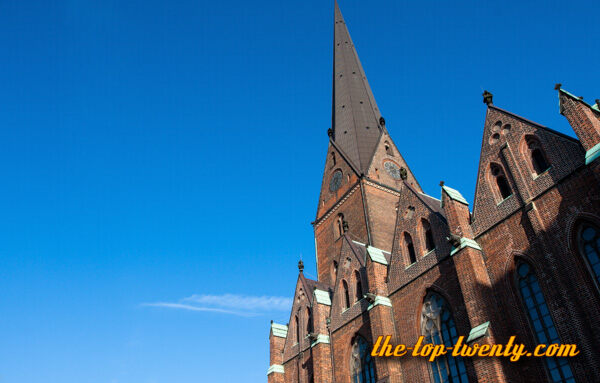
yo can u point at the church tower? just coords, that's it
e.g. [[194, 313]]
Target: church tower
[[394, 263], [364, 171]]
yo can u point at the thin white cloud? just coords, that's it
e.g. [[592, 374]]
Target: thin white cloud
[[196, 308], [240, 305], [245, 302]]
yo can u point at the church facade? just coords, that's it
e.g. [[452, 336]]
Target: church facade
[[522, 261]]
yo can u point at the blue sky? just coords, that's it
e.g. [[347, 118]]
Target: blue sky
[[161, 161]]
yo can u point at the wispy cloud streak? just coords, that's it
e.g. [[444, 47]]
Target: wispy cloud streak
[[232, 304]]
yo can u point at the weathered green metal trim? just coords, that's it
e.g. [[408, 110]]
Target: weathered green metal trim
[[454, 194], [278, 368], [279, 330], [478, 331], [594, 107], [379, 300], [320, 339], [570, 94], [322, 297], [465, 242], [592, 154], [376, 255]]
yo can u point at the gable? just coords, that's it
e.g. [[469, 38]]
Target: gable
[[506, 150], [351, 259], [415, 211], [387, 163], [296, 339], [333, 189]]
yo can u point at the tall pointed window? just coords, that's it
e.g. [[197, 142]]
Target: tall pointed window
[[333, 161], [297, 324], [501, 183], [533, 151], [409, 248], [539, 161], [588, 242], [359, 290], [541, 322], [346, 296], [339, 226], [437, 326], [428, 235], [362, 366], [309, 321]]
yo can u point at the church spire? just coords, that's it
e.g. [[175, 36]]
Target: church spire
[[357, 123]]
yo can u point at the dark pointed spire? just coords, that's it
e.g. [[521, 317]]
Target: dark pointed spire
[[356, 118]]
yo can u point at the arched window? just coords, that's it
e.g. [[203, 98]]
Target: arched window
[[541, 321], [333, 161], [437, 326], [410, 248], [335, 268], [359, 291], [388, 149], [297, 324], [339, 226], [428, 234], [588, 242], [362, 366], [539, 161], [309, 321], [346, 296], [532, 150], [500, 180]]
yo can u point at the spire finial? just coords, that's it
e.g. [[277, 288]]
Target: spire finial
[[441, 183], [557, 86], [488, 98], [300, 266]]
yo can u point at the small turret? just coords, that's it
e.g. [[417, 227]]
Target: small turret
[[584, 119]]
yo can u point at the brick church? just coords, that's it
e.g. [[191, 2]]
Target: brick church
[[523, 260]]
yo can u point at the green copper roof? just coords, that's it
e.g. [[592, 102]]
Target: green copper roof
[[592, 154], [455, 195], [279, 330], [478, 332], [376, 255], [322, 297]]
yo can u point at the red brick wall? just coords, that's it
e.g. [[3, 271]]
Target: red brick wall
[[381, 207], [584, 121]]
